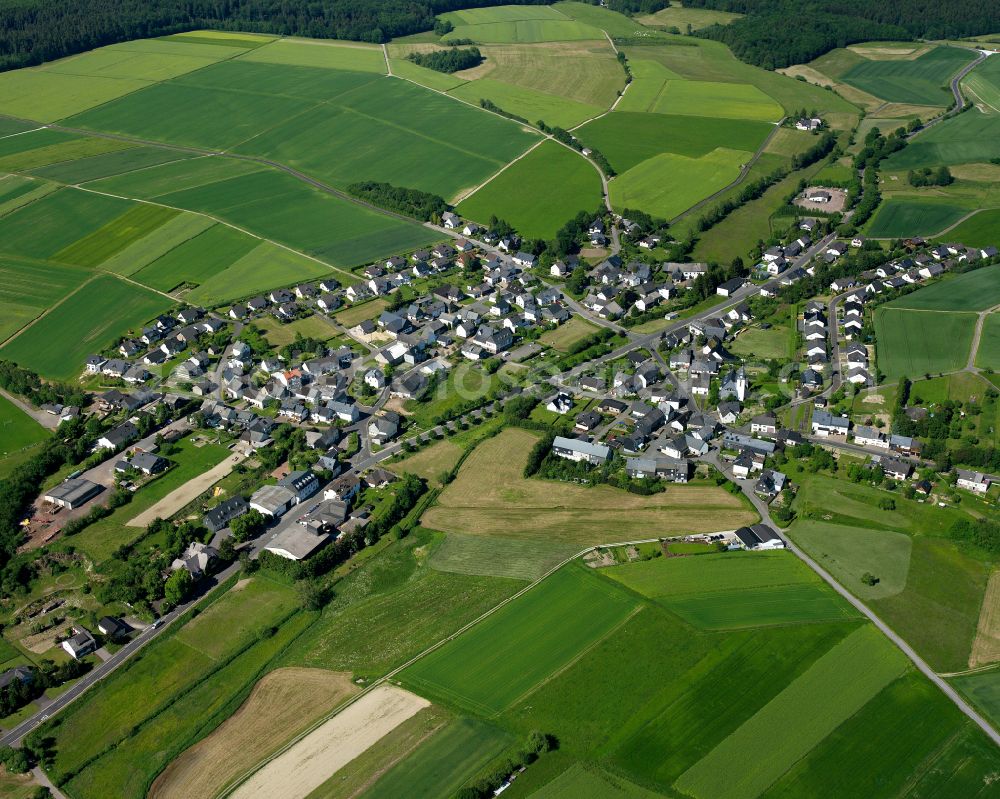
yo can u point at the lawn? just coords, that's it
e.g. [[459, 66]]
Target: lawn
[[629, 138], [988, 354], [198, 258], [568, 333], [498, 557], [530, 104], [920, 81], [281, 333], [668, 184], [442, 763], [900, 218], [132, 226], [28, 287], [19, 430], [979, 230], [971, 291], [355, 314], [906, 346], [490, 496], [835, 686], [539, 193], [771, 343], [850, 552], [510, 653], [89, 320]]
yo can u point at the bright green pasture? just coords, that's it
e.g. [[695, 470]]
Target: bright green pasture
[[919, 81], [971, 291], [903, 217], [498, 557], [45, 227], [539, 193], [833, 689], [904, 729], [28, 287], [578, 781], [979, 230], [668, 184], [132, 226], [320, 53], [707, 98], [921, 342], [48, 96], [174, 233], [781, 604], [969, 138], [17, 429], [508, 654], [627, 139], [105, 165], [532, 105], [286, 210], [118, 61], [267, 265], [850, 552], [988, 354], [198, 258], [128, 769], [442, 763], [57, 344], [649, 78]]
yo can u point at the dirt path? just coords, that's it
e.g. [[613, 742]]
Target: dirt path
[[180, 497], [308, 763], [986, 647]]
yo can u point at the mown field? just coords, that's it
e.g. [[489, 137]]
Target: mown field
[[971, 291], [491, 497], [102, 309], [539, 193], [903, 216], [921, 342]]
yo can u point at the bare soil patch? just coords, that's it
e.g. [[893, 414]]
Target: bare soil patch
[[282, 704], [188, 492], [311, 761]]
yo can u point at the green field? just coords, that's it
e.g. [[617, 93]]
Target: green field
[[667, 184], [835, 687], [539, 193], [530, 104], [57, 344], [172, 235], [921, 342], [969, 138], [850, 552], [713, 99], [27, 288], [568, 333], [17, 430], [678, 16], [900, 218], [612, 22], [971, 291], [578, 781], [322, 54], [782, 604], [979, 230], [48, 96], [34, 152], [498, 557], [442, 763], [984, 691], [104, 165], [627, 138], [988, 354], [197, 259], [517, 24], [511, 652], [110, 239], [919, 81]]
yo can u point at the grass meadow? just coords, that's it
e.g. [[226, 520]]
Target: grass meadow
[[903, 217], [507, 655], [568, 333], [529, 103], [102, 309], [17, 430], [921, 342], [498, 557], [988, 354], [971, 291], [539, 193], [979, 230], [676, 16]]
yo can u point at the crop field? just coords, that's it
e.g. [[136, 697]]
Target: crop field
[[539, 193], [836, 686], [431, 78], [568, 333], [94, 167], [531, 104], [604, 19], [442, 763], [711, 99], [498, 557], [507, 655], [980, 230], [58, 343], [323, 54], [648, 80], [921, 342], [781, 604], [48, 96], [678, 16], [36, 150], [43, 228], [490, 496], [968, 138], [135, 224], [517, 24], [972, 291], [579, 781], [17, 429], [984, 691], [176, 232], [198, 258], [668, 184], [903, 217], [281, 705], [850, 552], [628, 138], [154, 182], [128, 769], [27, 288], [988, 354], [921, 81]]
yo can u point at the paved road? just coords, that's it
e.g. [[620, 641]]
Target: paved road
[[46, 420], [956, 91], [951, 693]]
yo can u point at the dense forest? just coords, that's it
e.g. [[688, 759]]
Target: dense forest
[[33, 31], [766, 36]]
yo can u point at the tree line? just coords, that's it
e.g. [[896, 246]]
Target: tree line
[[410, 202], [778, 33]]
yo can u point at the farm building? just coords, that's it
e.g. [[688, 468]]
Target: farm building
[[73, 493], [759, 536]]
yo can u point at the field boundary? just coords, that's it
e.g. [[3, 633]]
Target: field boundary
[[51, 308]]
